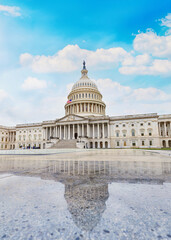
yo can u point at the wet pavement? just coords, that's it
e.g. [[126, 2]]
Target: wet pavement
[[100, 194]]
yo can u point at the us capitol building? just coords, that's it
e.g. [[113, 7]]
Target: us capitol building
[[86, 125]]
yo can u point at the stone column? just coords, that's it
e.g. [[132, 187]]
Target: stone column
[[46, 133], [60, 132], [78, 129], [73, 132], [108, 130], [69, 131], [165, 132], [98, 131], [64, 130], [82, 130], [93, 130], [88, 130], [50, 132], [77, 107], [103, 130]]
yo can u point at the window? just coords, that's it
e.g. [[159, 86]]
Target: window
[[142, 134], [132, 125], [117, 125], [150, 142], [83, 95], [123, 125], [2, 146], [133, 144], [86, 95], [142, 143], [149, 124], [124, 134], [133, 133], [79, 95], [5, 146], [117, 144], [117, 134], [150, 133], [19, 138], [141, 124]]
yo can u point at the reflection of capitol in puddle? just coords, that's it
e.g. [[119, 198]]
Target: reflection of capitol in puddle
[[86, 203], [86, 182]]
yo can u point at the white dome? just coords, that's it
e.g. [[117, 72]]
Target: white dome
[[83, 82]]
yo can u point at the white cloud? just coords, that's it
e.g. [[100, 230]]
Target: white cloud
[[69, 58], [151, 43], [32, 83], [157, 67], [167, 22], [137, 61], [3, 95], [12, 11], [122, 99], [151, 55]]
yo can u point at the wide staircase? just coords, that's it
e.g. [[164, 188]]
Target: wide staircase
[[65, 144]]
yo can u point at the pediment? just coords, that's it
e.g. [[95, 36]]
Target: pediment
[[71, 118]]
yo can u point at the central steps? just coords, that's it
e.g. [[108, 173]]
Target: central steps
[[65, 144]]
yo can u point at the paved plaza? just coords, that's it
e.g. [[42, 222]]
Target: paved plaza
[[93, 194]]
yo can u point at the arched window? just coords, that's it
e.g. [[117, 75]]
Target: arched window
[[117, 134], [86, 95], [133, 133]]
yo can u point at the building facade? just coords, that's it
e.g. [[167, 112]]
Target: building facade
[[86, 125]]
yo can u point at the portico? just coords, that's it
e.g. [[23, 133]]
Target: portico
[[78, 128]]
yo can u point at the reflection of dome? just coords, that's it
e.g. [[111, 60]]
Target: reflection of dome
[[86, 203], [85, 98]]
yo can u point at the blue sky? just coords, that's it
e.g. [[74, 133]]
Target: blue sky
[[126, 44]]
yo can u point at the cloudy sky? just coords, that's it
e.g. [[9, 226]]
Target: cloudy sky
[[126, 45]]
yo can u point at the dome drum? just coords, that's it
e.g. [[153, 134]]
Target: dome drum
[[85, 98]]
